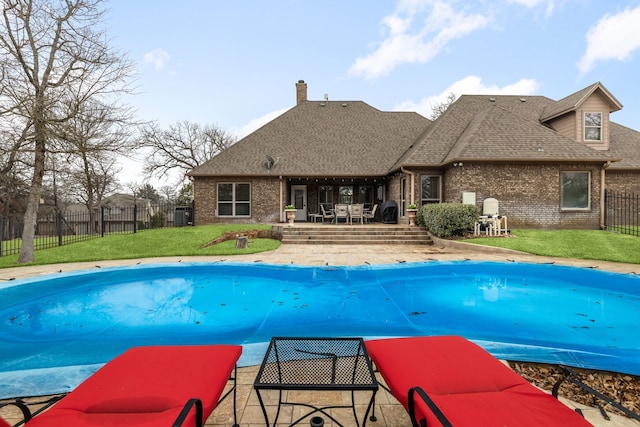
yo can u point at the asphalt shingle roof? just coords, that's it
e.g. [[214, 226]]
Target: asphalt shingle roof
[[351, 138], [496, 128], [322, 138], [626, 147], [572, 101]]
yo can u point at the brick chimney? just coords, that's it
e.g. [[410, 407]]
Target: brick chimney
[[301, 92]]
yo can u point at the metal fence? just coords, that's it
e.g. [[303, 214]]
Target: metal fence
[[622, 212], [62, 228]]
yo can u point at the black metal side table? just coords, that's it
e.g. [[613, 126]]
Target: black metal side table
[[316, 364]]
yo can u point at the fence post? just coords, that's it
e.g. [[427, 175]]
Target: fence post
[[606, 208], [135, 219], [59, 227], [193, 212], [102, 224], [637, 218], [1, 234]]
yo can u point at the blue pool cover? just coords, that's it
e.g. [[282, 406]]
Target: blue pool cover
[[55, 330]]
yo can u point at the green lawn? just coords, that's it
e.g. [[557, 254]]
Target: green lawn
[[181, 241], [188, 241], [582, 244]]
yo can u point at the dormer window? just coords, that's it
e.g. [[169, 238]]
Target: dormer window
[[593, 126]]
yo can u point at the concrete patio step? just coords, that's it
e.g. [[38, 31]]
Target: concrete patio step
[[336, 234]]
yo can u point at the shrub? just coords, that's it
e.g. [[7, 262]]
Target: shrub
[[158, 220], [448, 219]]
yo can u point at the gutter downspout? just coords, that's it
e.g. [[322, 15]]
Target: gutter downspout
[[603, 207], [412, 175], [281, 199]]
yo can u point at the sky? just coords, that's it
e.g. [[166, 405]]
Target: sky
[[234, 63]]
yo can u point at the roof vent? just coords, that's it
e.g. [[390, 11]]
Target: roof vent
[[323, 104], [344, 105], [492, 100], [523, 99]]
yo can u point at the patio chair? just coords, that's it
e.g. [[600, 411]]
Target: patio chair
[[370, 215], [149, 386], [356, 212], [450, 381], [491, 222], [327, 215], [341, 211]]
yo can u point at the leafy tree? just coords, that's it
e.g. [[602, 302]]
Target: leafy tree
[[185, 197], [54, 59], [147, 191]]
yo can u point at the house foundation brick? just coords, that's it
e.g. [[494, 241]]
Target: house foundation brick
[[529, 195]]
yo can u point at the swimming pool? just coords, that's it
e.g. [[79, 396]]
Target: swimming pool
[[57, 329]]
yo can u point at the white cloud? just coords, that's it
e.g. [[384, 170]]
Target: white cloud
[[550, 4], [531, 4], [157, 57], [470, 85], [416, 33], [613, 37], [257, 123]]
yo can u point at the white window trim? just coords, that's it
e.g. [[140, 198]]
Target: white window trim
[[584, 126]]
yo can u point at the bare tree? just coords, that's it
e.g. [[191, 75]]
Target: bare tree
[[89, 143], [437, 110], [184, 146], [88, 179], [54, 57], [168, 193]]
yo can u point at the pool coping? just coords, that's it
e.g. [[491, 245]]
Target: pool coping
[[445, 250]]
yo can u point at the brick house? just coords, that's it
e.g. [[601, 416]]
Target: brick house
[[547, 162]]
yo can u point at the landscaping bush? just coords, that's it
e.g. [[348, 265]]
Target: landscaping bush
[[448, 219]]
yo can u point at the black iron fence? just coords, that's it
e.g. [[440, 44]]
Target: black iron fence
[[65, 227], [622, 212]]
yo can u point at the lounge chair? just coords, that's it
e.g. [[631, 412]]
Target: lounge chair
[[450, 381], [149, 386], [26, 413]]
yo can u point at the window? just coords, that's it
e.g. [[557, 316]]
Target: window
[[325, 197], [346, 195], [366, 197], [593, 126], [430, 189], [234, 199], [576, 190]]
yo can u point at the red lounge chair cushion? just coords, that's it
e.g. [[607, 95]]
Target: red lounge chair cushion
[[470, 386], [146, 386]]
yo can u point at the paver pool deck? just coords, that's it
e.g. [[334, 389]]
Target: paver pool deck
[[388, 411]]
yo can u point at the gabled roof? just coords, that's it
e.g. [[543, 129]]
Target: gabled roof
[[500, 135], [573, 101], [322, 138], [496, 128], [351, 138]]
